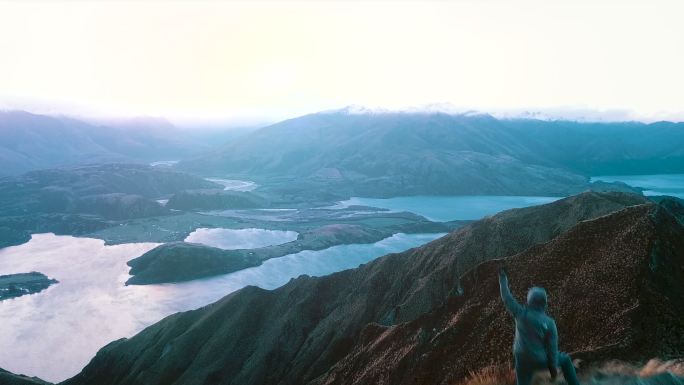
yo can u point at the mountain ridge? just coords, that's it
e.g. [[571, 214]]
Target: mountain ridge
[[33, 141], [297, 333], [621, 329], [393, 154]]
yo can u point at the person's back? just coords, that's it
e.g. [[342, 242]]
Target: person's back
[[534, 331], [536, 338]]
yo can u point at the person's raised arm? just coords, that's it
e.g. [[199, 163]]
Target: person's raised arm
[[511, 304]]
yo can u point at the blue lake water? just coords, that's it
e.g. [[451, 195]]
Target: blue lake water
[[449, 208], [656, 184]]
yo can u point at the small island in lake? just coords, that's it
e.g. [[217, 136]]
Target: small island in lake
[[16, 285]]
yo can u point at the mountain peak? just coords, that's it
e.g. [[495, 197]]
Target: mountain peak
[[546, 114], [423, 109]]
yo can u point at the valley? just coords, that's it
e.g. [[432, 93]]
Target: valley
[[408, 307], [373, 192], [99, 269], [124, 247]]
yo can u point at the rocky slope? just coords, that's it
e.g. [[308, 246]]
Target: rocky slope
[[615, 290], [311, 329]]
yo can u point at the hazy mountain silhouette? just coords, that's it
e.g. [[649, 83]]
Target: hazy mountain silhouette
[[7, 378], [380, 154], [30, 142]]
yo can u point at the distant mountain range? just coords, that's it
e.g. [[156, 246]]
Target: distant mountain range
[[611, 261], [363, 152], [31, 142], [400, 153], [575, 114]]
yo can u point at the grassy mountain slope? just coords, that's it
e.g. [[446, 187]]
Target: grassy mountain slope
[[297, 333], [615, 290]]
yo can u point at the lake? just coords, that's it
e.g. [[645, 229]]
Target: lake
[[55, 333], [233, 239], [450, 208]]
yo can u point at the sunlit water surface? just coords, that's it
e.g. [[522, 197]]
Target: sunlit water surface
[[231, 239], [54, 334]]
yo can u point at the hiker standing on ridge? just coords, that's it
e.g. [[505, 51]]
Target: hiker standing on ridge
[[536, 338]]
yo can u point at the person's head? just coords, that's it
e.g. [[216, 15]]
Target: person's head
[[536, 298]]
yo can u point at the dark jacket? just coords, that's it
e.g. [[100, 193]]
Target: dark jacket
[[536, 337]]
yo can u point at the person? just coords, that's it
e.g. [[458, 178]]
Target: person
[[536, 339]]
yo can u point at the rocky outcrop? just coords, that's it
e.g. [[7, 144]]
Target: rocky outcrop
[[311, 329]]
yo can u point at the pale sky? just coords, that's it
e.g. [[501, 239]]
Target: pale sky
[[270, 60]]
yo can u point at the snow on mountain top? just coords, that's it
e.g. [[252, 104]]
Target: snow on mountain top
[[579, 114]]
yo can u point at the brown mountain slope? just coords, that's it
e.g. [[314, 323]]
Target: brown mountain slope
[[615, 287], [433, 272], [296, 333]]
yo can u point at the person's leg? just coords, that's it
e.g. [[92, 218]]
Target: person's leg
[[523, 373], [523, 377], [568, 369]]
